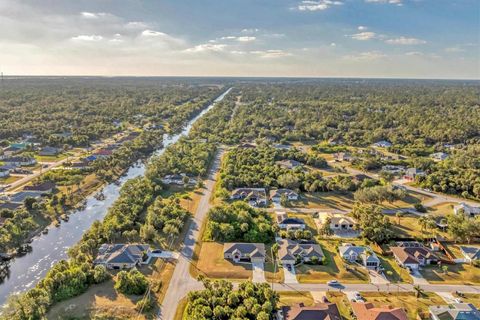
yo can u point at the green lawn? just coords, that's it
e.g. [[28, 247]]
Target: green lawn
[[334, 268], [326, 200], [393, 271], [460, 273], [9, 179]]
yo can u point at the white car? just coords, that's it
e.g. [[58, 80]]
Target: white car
[[333, 283]]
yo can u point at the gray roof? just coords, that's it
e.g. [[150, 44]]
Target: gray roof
[[20, 197], [471, 252], [255, 250], [456, 311], [289, 250], [349, 250], [121, 253]]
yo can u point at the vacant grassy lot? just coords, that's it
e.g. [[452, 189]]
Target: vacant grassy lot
[[9, 179], [442, 209], [470, 298], [334, 268], [325, 200], [408, 202], [289, 298], [52, 158], [461, 273], [100, 298], [409, 226], [393, 271], [406, 300]]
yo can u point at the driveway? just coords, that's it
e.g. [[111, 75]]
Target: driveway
[[448, 297], [418, 278], [377, 278], [165, 255], [289, 275], [258, 272]]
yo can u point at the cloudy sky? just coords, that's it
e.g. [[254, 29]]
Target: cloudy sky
[[321, 38]]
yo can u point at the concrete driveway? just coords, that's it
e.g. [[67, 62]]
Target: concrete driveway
[[289, 275], [258, 269], [377, 278], [418, 278]]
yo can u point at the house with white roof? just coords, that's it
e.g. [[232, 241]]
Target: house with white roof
[[455, 311], [339, 222]]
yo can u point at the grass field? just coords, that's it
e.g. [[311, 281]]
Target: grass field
[[393, 271], [342, 303], [408, 202], [9, 179], [470, 298], [52, 158], [406, 300], [100, 298], [182, 304], [461, 273], [325, 200], [289, 298], [334, 268]]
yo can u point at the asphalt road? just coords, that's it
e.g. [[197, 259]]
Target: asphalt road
[[181, 282]]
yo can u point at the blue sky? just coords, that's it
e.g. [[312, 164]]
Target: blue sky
[[319, 38]]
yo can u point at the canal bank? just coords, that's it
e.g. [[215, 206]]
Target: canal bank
[[48, 249]]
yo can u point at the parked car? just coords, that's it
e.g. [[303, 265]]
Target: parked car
[[333, 283]]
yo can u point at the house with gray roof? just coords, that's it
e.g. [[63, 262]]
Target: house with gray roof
[[256, 197], [290, 252], [244, 252], [121, 256], [456, 311], [20, 197], [361, 254], [288, 223], [276, 195], [470, 253]]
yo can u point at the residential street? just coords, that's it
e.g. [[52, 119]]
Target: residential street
[[181, 282]]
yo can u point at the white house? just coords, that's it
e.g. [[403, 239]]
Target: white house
[[439, 156], [20, 161], [363, 255], [276, 195], [338, 221], [468, 210], [382, 144]]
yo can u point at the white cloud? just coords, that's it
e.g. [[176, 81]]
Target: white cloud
[[207, 47], [333, 44], [250, 30], [405, 41], [246, 39], [228, 38], [309, 5], [365, 56], [271, 53], [90, 38], [362, 28], [414, 53], [93, 15], [153, 33], [136, 25], [363, 36], [397, 2], [455, 49]]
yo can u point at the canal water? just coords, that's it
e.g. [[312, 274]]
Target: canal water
[[48, 249]]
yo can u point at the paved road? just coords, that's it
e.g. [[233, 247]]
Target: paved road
[[181, 282]]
